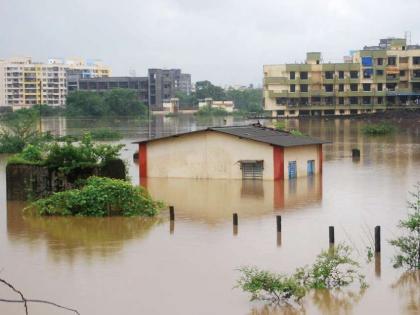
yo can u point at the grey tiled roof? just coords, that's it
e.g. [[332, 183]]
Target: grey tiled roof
[[256, 133]]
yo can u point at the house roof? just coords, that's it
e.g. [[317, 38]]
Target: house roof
[[254, 132]]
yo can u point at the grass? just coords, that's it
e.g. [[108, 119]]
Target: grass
[[378, 129]]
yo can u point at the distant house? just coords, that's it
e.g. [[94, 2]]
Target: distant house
[[236, 152], [228, 106]]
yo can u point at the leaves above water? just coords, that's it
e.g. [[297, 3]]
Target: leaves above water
[[99, 197]]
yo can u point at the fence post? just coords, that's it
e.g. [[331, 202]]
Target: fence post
[[278, 223], [331, 235], [377, 239], [172, 213]]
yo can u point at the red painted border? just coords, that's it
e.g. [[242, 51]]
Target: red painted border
[[320, 157], [278, 162], [143, 159]]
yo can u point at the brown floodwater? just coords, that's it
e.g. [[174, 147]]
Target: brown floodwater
[[150, 266]]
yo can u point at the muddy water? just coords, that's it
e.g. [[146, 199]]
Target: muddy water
[[149, 266]]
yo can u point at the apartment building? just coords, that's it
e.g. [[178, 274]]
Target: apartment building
[[164, 84], [139, 84], [24, 83], [375, 78]]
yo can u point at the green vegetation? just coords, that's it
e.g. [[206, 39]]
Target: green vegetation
[[99, 197], [210, 111], [271, 287], [332, 269], [408, 246], [67, 157], [378, 129], [19, 129], [105, 134], [246, 101], [116, 102], [280, 125], [47, 110], [297, 133]]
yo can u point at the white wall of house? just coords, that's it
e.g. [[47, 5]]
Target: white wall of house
[[206, 154]]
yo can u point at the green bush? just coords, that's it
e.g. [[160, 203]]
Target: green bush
[[378, 129], [68, 156], [408, 256], [268, 286], [332, 269], [105, 134], [211, 111], [99, 197]]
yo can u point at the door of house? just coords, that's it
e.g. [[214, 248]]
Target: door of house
[[311, 167], [292, 169]]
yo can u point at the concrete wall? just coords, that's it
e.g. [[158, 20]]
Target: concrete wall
[[206, 154], [301, 155]]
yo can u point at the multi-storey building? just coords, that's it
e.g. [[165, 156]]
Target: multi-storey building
[[139, 84], [24, 83], [164, 84], [375, 78]]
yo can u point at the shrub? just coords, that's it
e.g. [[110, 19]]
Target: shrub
[[333, 268], [104, 134], [99, 197], [296, 133], [211, 111], [280, 125], [378, 129], [408, 256], [267, 286]]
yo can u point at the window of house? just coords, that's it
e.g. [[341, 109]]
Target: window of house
[[354, 74], [292, 75], [304, 75], [380, 86], [353, 100], [379, 72], [304, 88], [380, 100], [380, 61], [366, 100], [341, 100], [292, 169], [292, 88], [328, 87], [366, 87], [402, 73], [353, 87], [416, 60], [281, 100], [252, 169], [341, 74], [341, 88], [392, 61], [391, 86]]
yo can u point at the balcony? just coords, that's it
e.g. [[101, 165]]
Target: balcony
[[276, 80]]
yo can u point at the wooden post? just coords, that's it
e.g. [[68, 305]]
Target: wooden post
[[355, 153], [331, 234], [235, 219], [172, 213], [377, 239], [278, 223], [171, 227]]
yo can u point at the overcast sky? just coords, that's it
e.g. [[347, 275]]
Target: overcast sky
[[224, 41]]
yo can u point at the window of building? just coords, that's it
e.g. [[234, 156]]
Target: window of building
[[252, 169], [341, 88], [353, 87], [380, 100], [366, 100], [353, 100], [403, 59], [354, 74], [281, 100], [304, 88], [392, 61], [416, 73], [366, 87], [329, 87], [379, 72], [416, 60], [367, 73], [380, 86], [292, 88], [391, 86], [292, 169], [292, 75], [328, 100], [304, 75], [341, 74], [402, 73], [341, 100], [329, 74], [380, 61]]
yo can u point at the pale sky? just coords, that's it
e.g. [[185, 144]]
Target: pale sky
[[224, 41]]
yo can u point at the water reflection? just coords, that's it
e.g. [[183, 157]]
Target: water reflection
[[408, 288], [70, 237], [214, 201]]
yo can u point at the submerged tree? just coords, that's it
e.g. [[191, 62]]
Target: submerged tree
[[408, 245]]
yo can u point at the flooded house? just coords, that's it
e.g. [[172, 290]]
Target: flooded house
[[231, 152]]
